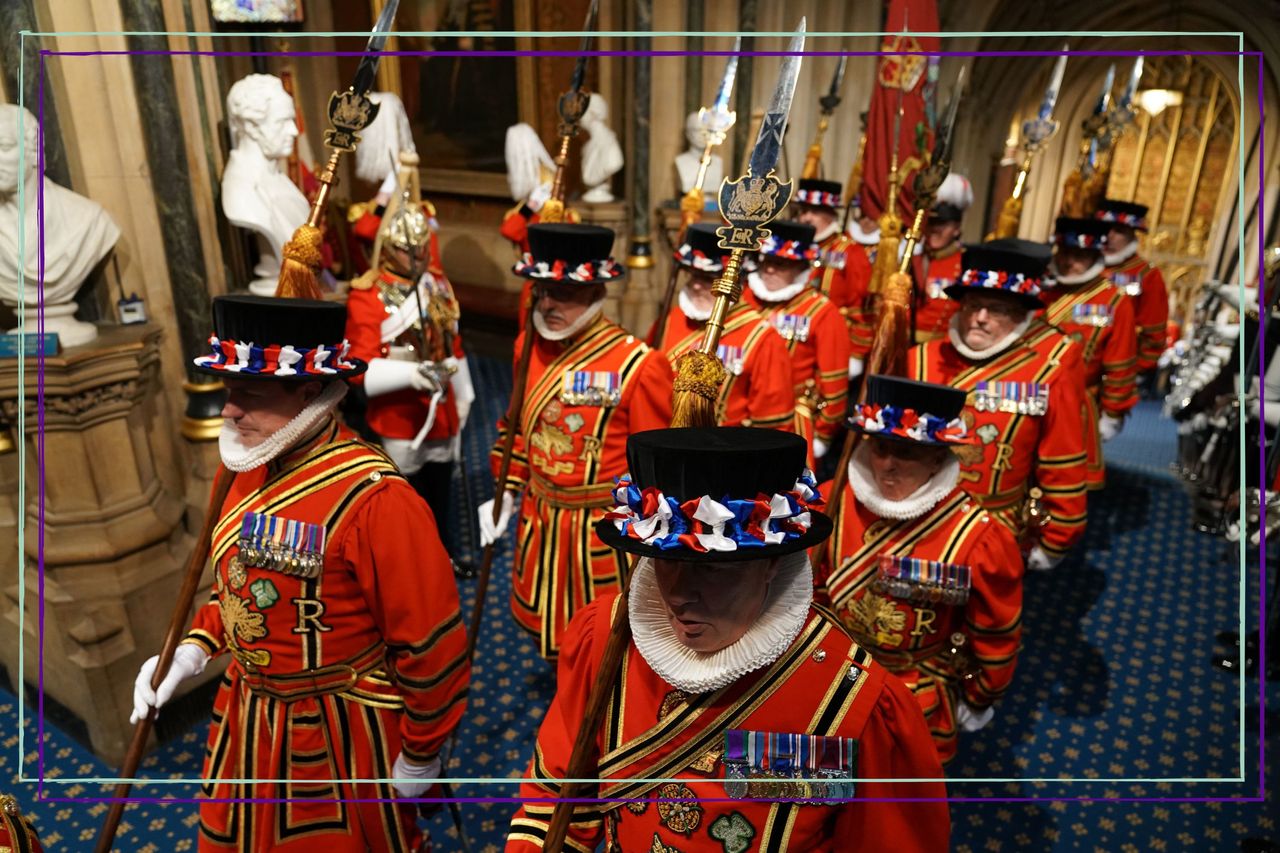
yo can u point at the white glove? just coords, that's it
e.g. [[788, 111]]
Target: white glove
[[819, 448], [389, 185], [405, 769], [538, 197], [188, 661], [489, 532], [1109, 426], [971, 720], [1040, 561], [464, 393], [855, 367], [424, 381]]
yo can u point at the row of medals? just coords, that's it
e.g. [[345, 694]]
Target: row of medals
[[283, 560], [920, 591]]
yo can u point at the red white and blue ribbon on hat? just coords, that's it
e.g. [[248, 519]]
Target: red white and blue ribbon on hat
[[819, 198], [275, 360], [1133, 220], [1076, 240], [1001, 280], [875, 419], [705, 524], [696, 258], [792, 250], [587, 271]]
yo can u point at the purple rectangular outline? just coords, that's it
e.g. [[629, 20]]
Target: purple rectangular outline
[[649, 53]]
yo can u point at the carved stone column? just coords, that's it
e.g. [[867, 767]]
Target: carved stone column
[[113, 542], [638, 311]]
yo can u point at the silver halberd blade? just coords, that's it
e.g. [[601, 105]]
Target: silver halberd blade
[[769, 143]]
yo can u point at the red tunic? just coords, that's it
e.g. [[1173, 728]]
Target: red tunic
[[912, 637], [818, 341], [822, 684], [933, 307], [860, 262], [1098, 315], [332, 677], [568, 450], [758, 392], [1144, 284], [1021, 450], [399, 414], [842, 275]]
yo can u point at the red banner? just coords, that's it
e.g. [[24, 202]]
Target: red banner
[[901, 70]]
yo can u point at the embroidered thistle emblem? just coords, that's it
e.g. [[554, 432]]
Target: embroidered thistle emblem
[[879, 617], [239, 621]]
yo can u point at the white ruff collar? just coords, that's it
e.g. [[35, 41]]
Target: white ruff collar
[[917, 504], [693, 312], [236, 457], [1088, 275], [785, 294], [587, 316], [785, 610], [866, 238], [832, 227], [1121, 256], [953, 333]]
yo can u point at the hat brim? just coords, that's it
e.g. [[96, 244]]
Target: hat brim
[[958, 291], [820, 528], [360, 367], [569, 281], [902, 439]]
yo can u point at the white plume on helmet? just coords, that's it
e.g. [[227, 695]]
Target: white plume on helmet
[[383, 140], [955, 190], [527, 160]]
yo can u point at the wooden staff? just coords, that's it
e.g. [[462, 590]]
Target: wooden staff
[[514, 411], [177, 623]]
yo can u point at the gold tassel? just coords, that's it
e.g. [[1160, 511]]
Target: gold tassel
[[302, 260], [699, 377], [886, 251], [888, 352], [1072, 203], [1009, 220]]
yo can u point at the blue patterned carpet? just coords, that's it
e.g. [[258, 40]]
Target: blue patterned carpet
[[1114, 682]]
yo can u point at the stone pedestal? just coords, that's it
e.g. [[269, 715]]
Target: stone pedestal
[[114, 542]]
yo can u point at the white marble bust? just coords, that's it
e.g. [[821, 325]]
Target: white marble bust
[[78, 234], [687, 161], [601, 154], [256, 191]]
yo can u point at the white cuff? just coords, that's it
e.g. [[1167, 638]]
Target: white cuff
[[386, 375], [855, 367]]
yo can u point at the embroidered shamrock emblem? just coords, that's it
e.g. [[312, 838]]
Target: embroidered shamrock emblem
[[574, 421], [264, 593], [988, 433], [733, 831]]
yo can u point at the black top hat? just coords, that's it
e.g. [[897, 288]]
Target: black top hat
[[701, 249], [265, 337], [1072, 233], [819, 193], [1123, 213], [719, 494], [567, 253], [908, 410], [790, 240], [1010, 267], [945, 211]]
